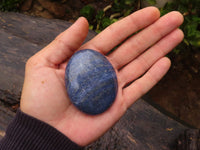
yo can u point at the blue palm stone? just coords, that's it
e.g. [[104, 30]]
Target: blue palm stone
[[91, 81]]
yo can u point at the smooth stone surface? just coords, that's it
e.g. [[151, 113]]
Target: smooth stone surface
[[91, 81]]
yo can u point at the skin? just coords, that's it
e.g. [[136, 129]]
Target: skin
[[140, 60]]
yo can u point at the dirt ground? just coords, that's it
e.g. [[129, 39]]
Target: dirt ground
[[177, 92]]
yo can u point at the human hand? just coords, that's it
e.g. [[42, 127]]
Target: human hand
[[140, 59]]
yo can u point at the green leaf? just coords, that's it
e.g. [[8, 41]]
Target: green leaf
[[91, 27], [97, 31], [186, 42], [127, 12], [195, 43], [100, 15], [106, 22], [114, 20], [191, 30], [128, 2], [88, 12], [176, 51], [151, 2], [116, 2], [163, 11], [196, 19]]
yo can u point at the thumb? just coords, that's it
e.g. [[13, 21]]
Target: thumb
[[66, 43]]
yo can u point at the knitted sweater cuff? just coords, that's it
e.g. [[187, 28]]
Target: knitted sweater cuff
[[28, 133]]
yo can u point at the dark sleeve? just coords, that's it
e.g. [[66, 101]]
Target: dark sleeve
[[28, 133]]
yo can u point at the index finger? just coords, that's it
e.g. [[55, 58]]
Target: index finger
[[119, 31]]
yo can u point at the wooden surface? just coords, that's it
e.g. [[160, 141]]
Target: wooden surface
[[189, 140], [142, 128]]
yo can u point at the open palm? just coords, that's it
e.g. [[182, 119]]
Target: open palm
[[139, 63]]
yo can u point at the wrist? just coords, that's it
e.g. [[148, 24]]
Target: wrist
[[35, 134]]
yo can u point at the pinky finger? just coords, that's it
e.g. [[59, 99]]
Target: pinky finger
[[142, 85]]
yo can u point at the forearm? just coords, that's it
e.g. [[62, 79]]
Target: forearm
[[26, 132]]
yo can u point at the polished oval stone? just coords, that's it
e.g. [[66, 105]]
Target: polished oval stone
[[91, 81]]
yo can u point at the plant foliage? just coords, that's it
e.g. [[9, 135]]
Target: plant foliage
[[118, 9], [100, 19], [191, 26], [10, 5]]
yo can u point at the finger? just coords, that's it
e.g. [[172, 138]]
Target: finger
[[66, 43], [141, 64], [119, 31], [137, 44], [146, 82]]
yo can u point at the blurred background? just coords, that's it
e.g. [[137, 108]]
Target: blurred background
[[179, 91]]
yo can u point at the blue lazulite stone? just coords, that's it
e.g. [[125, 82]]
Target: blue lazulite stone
[[91, 81]]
